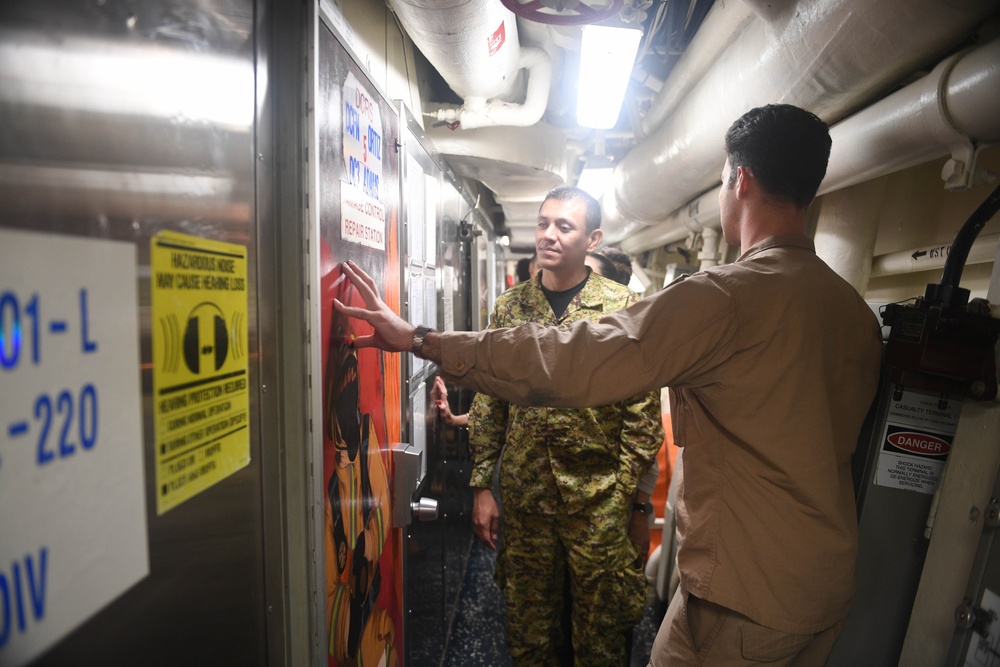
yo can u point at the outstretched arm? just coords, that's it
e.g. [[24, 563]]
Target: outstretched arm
[[640, 348], [392, 332]]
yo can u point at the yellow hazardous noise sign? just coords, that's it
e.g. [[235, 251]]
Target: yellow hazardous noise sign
[[201, 398]]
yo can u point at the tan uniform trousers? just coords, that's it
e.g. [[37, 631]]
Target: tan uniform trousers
[[696, 632]]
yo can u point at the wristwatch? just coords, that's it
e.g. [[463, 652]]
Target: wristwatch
[[646, 507], [417, 345]]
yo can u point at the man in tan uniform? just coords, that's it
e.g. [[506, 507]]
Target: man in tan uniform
[[773, 363]]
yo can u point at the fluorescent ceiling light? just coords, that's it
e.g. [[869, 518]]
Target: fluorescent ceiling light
[[594, 181], [606, 59]]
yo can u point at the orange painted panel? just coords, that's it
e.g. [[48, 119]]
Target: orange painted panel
[[666, 457]]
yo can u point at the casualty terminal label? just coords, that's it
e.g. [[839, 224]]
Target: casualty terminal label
[[916, 440], [200, 364]]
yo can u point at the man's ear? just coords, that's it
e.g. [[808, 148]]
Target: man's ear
[[742, 184], [596, 237]]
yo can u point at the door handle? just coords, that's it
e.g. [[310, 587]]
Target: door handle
[[409, 469]]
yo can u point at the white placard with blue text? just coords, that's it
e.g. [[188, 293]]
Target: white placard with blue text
[[72, 489]]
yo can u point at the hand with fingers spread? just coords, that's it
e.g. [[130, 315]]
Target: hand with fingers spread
[[392, 333], [439, 397]]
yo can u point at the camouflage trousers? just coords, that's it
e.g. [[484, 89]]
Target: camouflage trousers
[[607, 584]]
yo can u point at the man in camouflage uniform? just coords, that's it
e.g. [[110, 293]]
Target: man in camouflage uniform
[[568, 476]]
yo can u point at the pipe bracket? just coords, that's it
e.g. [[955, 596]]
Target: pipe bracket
[[959, 171]]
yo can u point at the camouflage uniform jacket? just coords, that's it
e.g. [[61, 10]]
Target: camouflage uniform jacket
[[554, 459]]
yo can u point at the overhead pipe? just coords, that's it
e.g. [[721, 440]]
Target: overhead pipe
[[952, 110], [474, 45], [546, 37], [724, 22], [828, 56], [932, 257], [695, 216], [709, 255], [480, 112], [846, 231], [526, 158]]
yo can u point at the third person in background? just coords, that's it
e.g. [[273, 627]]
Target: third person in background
[[602, 266], [621, 261], [439, 399]]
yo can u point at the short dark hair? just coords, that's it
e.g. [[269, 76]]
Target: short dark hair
[[608, 268], [621, 260], [785, 148], [569, 193]]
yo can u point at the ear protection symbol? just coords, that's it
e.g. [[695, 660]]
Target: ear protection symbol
[[205, 336]]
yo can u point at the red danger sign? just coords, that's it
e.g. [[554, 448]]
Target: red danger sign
[[919, 443]]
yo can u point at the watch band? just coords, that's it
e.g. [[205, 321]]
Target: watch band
[[646, 507], [417, 345]]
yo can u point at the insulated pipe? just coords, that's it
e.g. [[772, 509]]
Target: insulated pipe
[[472, 43], [933, 257], [695, 216], [479, 112], [709, 255], [846, 231], [724, 22], [909, 127], [942, 113], [828, 56], [542, 36], [530, 159]]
